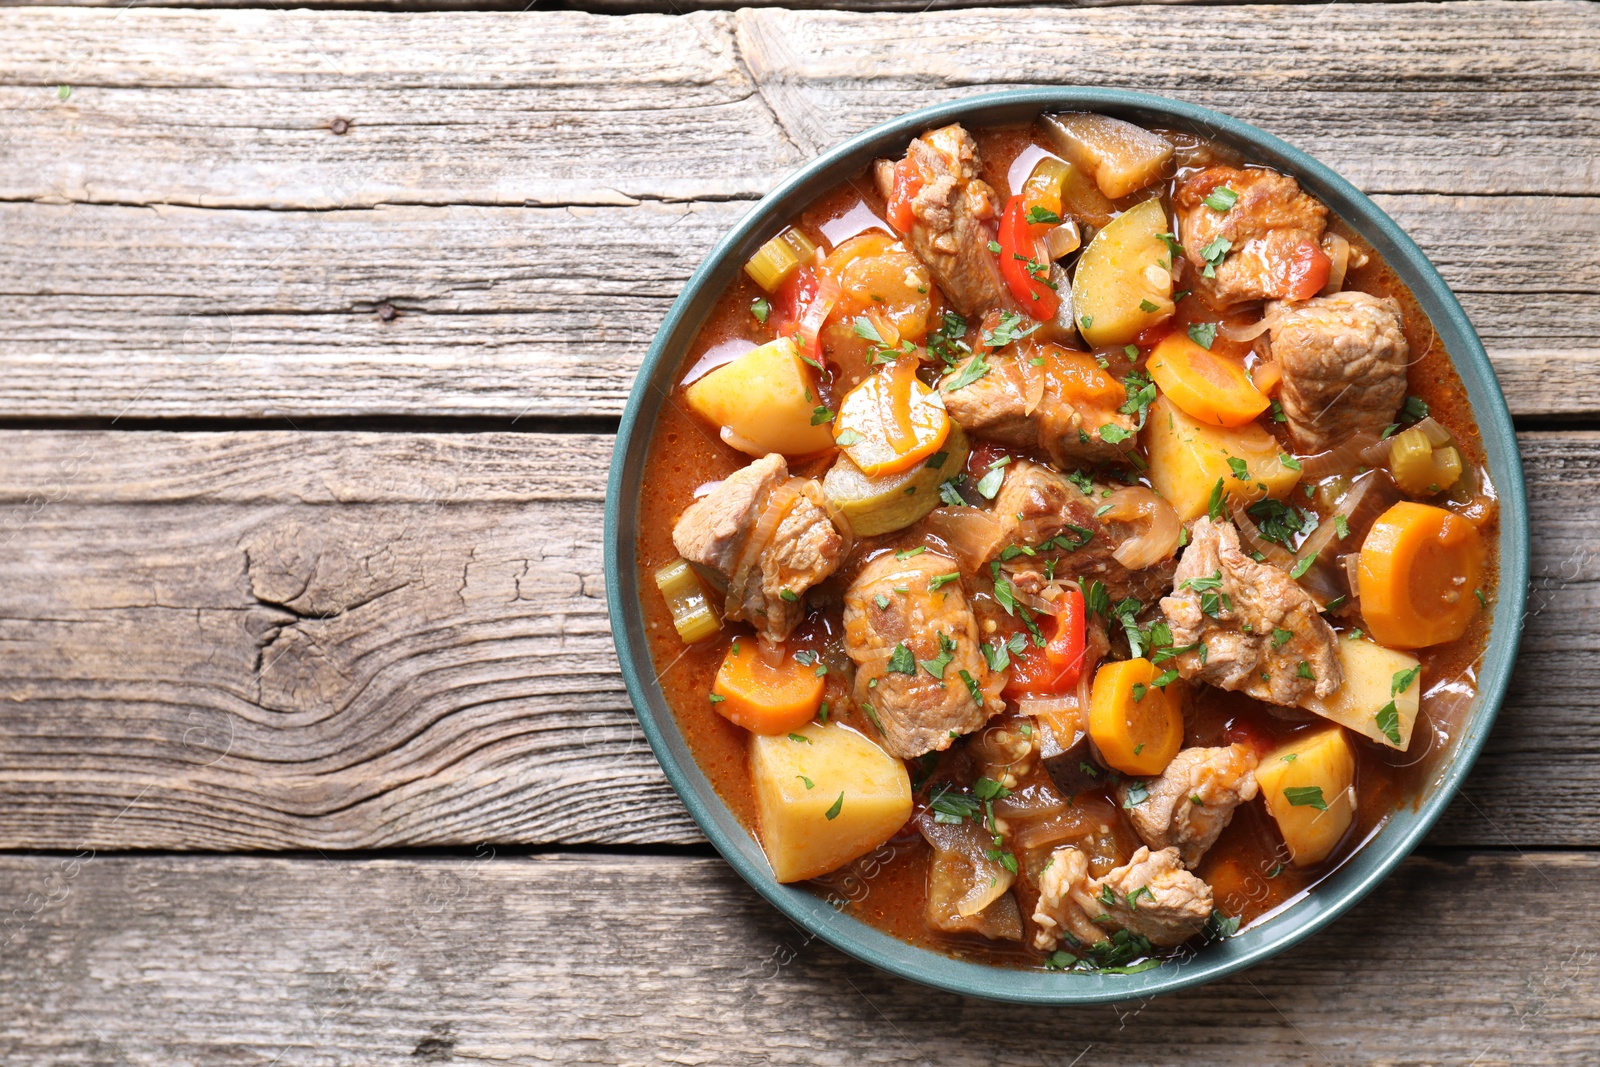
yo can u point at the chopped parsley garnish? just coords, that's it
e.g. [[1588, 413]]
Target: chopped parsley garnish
[[1038, 215], [1214, 509], [1280, 522], [1415, 409], [882, 602], [760, 308], [1281, 637], [1341, 526], [907, 553], [838, 806], [976, 368], [1220, 926], [989, 485], [717, 698], [1221, 199], [936, 460], [872, 713], [1403, 679], [1086, 320], [1165, 678], [994, 246], [998, 652], [1171, 240], [1141, 394], [847, 438], [1213, 255], [1113, 434], [949, 806], [951, 495], [1389, 722], [800, 739], [1138, 793], [947, 341], [901, 661], [1147, 306], [1305, 796], [809, 783], [1200, 585], [1240, 469], [1289, 461], [1278, 413], [1007, 330], [1300, 568], [789, 595], [821, 414], [1304, 670], [947, 652], [1203, 333], [940, 580]]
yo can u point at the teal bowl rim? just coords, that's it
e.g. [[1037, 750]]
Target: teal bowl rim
[[1338, 891]]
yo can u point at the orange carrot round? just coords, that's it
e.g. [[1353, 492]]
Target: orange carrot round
[[1420, 567], [765, 697], [1137, 727], [1206, 386], [891, 422]]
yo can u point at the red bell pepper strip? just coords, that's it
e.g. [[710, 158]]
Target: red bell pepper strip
[[1055, 667], [907, 184], [1026, 273], [1303, 275]]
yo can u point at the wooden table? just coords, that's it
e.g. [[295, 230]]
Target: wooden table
[[316, 328]]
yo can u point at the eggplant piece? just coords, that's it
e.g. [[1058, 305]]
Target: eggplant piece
[[1070, 761]]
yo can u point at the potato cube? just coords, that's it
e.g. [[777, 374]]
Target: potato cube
[[1188, 458], [1123, 158], [1309, 789], [764, 402], [1372, 674], [825, 795]]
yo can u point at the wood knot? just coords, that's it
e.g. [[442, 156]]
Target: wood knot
[[386, 312], [340, 127]]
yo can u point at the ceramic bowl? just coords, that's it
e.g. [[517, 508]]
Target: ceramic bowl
[[1339, 890]]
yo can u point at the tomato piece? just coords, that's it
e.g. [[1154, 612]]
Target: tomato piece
[[1021, 264], [1056, 667], [1304, 274], [907, 184]]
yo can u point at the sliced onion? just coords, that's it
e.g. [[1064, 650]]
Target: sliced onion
[[1338, 250], [970, 533], [1352, 573], [1377, 453], [1063, 240], [817, 312], [1031, 802], [1158, 541], [1254, 329], [1251, 537], [811, 489], [1337, 460], [1436, 434]]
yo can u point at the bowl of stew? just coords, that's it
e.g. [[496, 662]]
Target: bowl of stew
[[1065, 545]]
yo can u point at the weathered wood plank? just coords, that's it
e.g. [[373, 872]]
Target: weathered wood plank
[[235, 107], [537, 311], [331, 640], [602, 959]]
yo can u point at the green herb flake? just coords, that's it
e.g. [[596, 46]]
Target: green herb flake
[[789, 595], [1038, 216], [975, 368], [821, 414], [838, 806], [1403, 680], [809, 783], [717, 698], [1147, 306], [1214, 509], [1299, 569], [1203, 334], [972, 688], [940, 580], [1221, 199], [1281, 637], [800, 739], [1304, 671], [1388, 718], [901, 661], [1305, 796], [907, 553], [760, 308]]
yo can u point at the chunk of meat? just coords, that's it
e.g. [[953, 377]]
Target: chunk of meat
[[1061, 404], [1151, 895], [921, 699], [1193, 801], [1344, 367], [1273, 233], [951, 210], [1036, 504], [761, 534], [1260, 631]]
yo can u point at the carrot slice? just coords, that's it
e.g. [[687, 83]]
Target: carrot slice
[[1419, 569], [765, 697], [1137, 727], [891, 422], [1206, 386]]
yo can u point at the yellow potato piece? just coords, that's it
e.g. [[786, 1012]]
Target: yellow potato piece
[[1361, 701], [1122, 157], [1123, 284], [1187, 457], [1309, 789], [764, 401], [835, 769]]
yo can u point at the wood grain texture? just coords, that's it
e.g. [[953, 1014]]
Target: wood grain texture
[[233, 108], [547, 311], [646, 960], [335, 640]]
